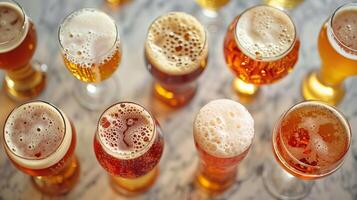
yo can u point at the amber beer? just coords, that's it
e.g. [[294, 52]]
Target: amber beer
[[223, 132], [128, 144], [311, 140], [214, 5], [176, 54], [18, 43], [40, 141], [90, 45], [260, 47], [337, 46]]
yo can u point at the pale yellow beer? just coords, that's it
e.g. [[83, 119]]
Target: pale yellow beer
[[337, 45], [90, 45], [285, 4], [214, 5]]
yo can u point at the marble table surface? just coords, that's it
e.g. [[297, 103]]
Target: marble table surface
[[180, 159]]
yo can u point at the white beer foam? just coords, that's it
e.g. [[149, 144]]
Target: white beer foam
[[175, 43], [30, 129], [87, 35], [224, 128], [126, 130], [265, 33], [344, 27], [13, 26]]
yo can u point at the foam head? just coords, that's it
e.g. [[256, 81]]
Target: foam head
[[88, 37], [224, 128], [265, 33], [35, 135], [126, 130], [13, 26], [175, 43], [344, 26]]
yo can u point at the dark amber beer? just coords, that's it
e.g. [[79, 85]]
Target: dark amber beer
[[18, 43], [40, 141], [128, 144], [260, 47], [310, 141], [176, 54], [337, 45], [223, 132]]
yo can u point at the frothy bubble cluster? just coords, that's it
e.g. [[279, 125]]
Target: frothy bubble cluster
[[224, 128], [88, 37], [11, 26], [265, 32], [34, 131], [344, 26], [175, 43], [126, 129]]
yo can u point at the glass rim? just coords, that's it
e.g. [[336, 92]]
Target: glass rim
[[339, 162], [271, 58], [29, 102], [330, 23], [23, 26], [117, 156], [116, 43], [205, 42]]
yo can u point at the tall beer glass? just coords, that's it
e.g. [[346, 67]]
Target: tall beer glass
[[91, 51], [18, 40], [310, 141], [128, 144], [337, 46], [223, 132], [176, 53], [260, 47], [40, 140]]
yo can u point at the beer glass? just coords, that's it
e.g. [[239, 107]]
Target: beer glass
[[128, 144], [261, 46], [176, 53], [117, 2], [337, 45], [223, 132], [284, 4], [18, 40], [310, 141], [40, 140], [91, 50], [209, 13]]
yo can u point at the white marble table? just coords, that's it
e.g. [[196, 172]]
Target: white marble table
[[179, 160]]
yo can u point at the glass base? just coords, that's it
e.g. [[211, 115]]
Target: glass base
[[313, 89], [27, 82], [210, 187], [135, 186], [60, 183], [175, 96], [246, 92], [211, 19], [283, 185], [95, 96]]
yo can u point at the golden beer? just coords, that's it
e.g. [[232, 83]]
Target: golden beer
[[176, 54], [223, 132], [260, 47], [18, 41], [90, 45], [285, 4], [337, 45], [214, 5], [118, 2], [40, 141]]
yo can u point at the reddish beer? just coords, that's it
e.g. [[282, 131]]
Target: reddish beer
[[311, 140], [128, 144], [40, 141]]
